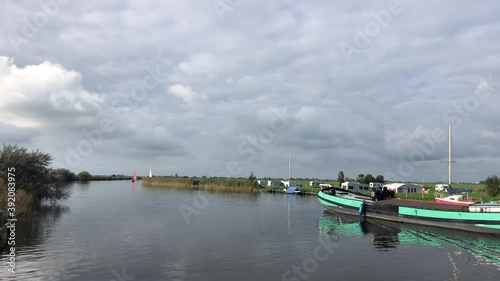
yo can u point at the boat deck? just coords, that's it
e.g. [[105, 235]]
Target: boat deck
[[421, 205]]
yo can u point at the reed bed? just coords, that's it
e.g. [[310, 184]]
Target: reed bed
[[214, 184]]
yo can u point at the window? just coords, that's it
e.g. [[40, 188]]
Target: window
[[351, 187]]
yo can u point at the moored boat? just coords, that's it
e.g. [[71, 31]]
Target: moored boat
[[468, 218], [457, 199]]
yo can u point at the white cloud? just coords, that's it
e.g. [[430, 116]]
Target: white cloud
[[187, 94], [33, 95]]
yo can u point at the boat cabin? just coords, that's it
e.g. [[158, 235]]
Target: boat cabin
[[485, 208]]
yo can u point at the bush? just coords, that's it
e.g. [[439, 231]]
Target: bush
[[31, 173], [493, 186]]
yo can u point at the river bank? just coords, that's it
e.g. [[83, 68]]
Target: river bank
[[218, 184], [247, 186]]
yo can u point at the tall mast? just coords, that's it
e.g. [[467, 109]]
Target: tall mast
[[289, 169], [449, 154]]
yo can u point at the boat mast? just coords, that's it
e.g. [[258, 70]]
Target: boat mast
[[289, 170], [449, 154]]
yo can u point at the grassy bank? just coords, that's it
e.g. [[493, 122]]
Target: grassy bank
[[216, 184]]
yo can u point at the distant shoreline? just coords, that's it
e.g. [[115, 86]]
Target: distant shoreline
[[216, 184]]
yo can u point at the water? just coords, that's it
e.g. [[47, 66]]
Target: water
[[114, 231]]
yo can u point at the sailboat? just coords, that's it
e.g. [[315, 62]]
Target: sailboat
[[292, 188], [150, 173], [134, 178], [454, 198]]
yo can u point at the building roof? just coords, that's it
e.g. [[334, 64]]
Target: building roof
[[398, 185]]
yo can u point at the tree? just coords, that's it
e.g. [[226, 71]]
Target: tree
[[360, 178], [341, 177], [380, 178], [64, 174], [84, 176], [493, 186], [31, 173], [252, 178], [369, 178]]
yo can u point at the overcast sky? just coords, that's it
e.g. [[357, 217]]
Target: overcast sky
[[233, 86]]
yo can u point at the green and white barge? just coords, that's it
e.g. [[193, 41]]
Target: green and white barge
[[480, 217]]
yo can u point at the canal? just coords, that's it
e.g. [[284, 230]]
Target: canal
[[118, 231]]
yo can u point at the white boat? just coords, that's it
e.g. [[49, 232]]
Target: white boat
[[456, 199]]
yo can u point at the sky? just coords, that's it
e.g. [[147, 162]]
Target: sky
[[230, 87]]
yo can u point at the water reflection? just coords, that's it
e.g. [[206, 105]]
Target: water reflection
[[388, 235], [382, 237], [33, 229]]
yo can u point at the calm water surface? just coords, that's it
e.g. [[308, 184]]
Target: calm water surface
[[114, 231]]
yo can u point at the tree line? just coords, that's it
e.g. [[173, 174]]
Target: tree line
[[66, 175], [361, 178]]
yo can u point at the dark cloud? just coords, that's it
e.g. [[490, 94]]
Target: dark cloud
[[182, 88]]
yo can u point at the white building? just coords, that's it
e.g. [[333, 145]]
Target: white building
[[354, 186], [404, 187], [294, 183], [262, 182], [376, 184], [442, 187], [274, 183], [313, 184], [325, 185]]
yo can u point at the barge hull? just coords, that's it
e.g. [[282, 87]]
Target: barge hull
[[394, 211]]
